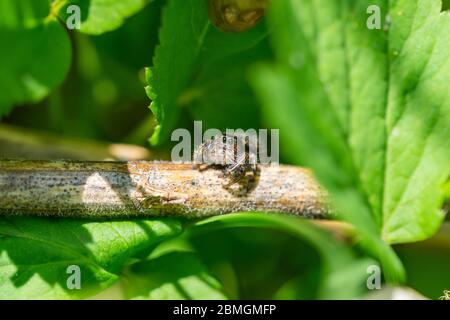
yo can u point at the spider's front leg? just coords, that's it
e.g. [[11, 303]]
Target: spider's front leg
[[198, 163]]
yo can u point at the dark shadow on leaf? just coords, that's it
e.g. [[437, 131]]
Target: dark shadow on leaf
[[177, 275]]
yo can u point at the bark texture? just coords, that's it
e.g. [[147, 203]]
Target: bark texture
[[141, 188]]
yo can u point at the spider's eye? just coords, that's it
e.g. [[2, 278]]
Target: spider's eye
[[224, 139]]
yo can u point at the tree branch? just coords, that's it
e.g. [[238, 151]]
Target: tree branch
[[138, 189]]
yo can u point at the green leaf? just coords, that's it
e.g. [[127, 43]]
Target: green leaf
[[40, 53], [187, 39], [232, 254], [367, 110], [172, 276], [36, 252], [35, 63], [343, 274], [23, 13], [226, 101], [100, 16], [418, 121]]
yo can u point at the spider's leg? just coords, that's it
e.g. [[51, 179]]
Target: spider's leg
[[198, 157], [230, 175], [230, 181]]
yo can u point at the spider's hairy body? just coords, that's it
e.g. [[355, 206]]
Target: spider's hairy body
[[234, 154]]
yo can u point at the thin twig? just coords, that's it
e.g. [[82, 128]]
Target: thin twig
[[139, 188], [17, 142]]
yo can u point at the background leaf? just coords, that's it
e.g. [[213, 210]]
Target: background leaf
[[417, 120], [36, 252], [172, 276], [24, 13], [100, 16], [35, 65], [225, 101], [42, 51], [187, 30], [342, 274]]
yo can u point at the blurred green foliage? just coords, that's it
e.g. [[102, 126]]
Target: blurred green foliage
[[367, 110]]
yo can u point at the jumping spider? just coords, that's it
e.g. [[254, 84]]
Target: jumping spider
[[235, 155]]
